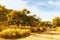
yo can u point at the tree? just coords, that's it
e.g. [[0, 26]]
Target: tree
[[56, 21], [24, 11], [45, 23], [3, 12], [13, 18]]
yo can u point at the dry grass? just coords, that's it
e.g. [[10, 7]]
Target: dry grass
[[58, 29], [14, 33]]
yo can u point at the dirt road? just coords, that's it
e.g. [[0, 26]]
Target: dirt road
[[42, 37]]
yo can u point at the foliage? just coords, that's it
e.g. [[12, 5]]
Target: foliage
[[56, 21], [45, 23], [14, 17], [14, 33], [34, 29]]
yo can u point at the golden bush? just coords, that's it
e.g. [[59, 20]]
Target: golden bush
[[14, 33], [34, 29]]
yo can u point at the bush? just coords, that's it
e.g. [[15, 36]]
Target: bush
[[42, 29], [58, 29], [34, 29], [38, 29], [15, 33]]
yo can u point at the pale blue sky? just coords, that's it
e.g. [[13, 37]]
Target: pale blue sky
[[45, 9]]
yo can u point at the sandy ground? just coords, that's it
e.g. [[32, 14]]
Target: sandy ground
[[35, 36], [42, 37]]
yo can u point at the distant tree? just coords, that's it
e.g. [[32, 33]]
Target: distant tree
[[56, 21], [45, 23]]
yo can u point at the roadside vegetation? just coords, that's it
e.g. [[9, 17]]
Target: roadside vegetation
[[17, 24]]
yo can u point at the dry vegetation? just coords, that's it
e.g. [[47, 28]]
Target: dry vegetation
[[17, 24], [14, 33]]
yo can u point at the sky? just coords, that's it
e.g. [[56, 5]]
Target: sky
[[45, 9]]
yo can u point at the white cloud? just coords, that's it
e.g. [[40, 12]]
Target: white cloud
[[41, 3], [54, 3], [14, 4], [2, 2]]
